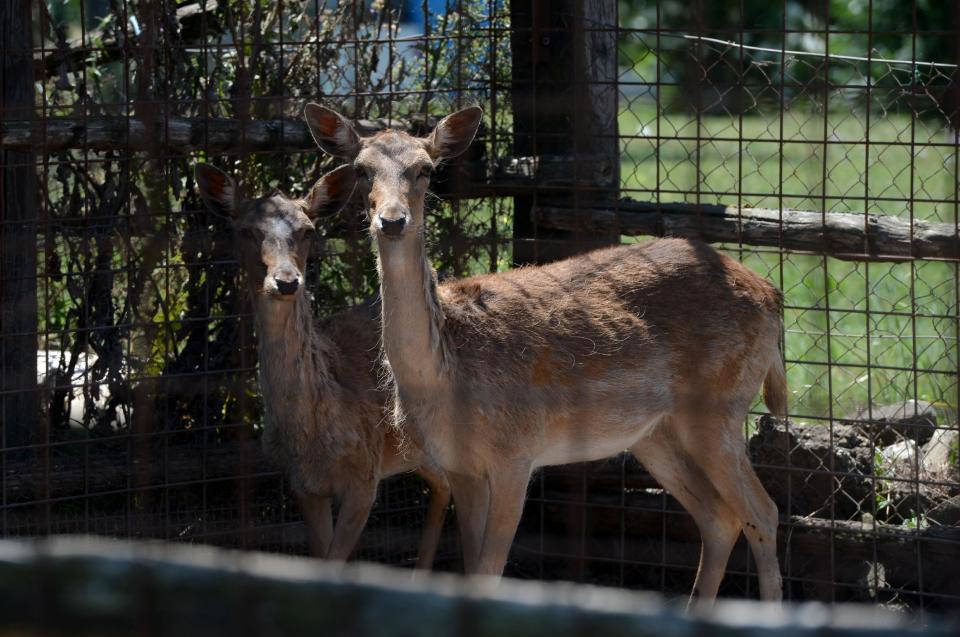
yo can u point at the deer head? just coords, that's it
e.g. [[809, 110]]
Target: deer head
[[274, 232], [393, 167]]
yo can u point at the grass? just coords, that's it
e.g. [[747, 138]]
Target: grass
[[856, 334]]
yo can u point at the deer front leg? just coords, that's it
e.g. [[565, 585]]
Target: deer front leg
[[355, 505], [436, 513], [508, 490], [318, 515]]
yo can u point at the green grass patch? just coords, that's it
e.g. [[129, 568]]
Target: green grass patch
[[855, 333]]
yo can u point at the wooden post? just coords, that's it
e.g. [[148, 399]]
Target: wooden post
[[19, 400], [565, 105]]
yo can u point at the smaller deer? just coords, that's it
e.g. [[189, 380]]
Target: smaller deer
[[324, 404]]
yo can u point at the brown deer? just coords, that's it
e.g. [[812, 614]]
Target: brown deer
[[658, 348], [324, 403]]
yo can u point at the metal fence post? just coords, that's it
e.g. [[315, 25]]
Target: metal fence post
[[19, 401]]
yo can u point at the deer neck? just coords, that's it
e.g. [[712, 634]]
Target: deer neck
[[293, 355], [412, 315]]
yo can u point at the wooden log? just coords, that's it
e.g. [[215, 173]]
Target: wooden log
[[515, 174], [174, 134], [827, 560], [842, 235], [81, 586], [92, 467], [464, 179]]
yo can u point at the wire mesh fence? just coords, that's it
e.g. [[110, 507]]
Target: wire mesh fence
[[146, 414], [793, 135]]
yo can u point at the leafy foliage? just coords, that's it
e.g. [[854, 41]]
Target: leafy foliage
[[139, 277]]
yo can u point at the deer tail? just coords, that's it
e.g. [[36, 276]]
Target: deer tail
[[775, 387]]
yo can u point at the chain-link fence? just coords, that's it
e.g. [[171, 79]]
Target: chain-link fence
[[833, 175]]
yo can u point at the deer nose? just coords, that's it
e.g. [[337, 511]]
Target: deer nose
[[393, 227], [287, 287]]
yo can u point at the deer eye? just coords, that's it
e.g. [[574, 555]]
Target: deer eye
[[426, 171], [365, 172]]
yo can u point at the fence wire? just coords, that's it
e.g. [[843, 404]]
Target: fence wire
[[142, 417]]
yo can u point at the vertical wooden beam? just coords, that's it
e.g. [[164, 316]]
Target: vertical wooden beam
[[565, 105], [19, 400]]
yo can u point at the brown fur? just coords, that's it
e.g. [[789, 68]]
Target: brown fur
[[659, 348], [325, 407]]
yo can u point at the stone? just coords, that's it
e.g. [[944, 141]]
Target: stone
[[939, 456], [900, 502], [809, 474], [899, 453], [888, 424], [914, 480], [945, 513]]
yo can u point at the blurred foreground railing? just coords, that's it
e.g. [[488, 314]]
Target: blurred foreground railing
[[83, 586]]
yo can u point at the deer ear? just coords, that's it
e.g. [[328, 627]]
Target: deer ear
[[332, 132], [454, 133], [331, 192], [218, 190]]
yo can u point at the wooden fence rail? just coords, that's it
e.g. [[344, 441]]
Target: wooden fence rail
[[852, 236], [81, 586], [175, 134], [844, 235]]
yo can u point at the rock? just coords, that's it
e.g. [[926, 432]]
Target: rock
[[939, 456], [888, 424], [808, 474], [899, 498], [946, 513], [912, 480], [899, 453], [901, 501]]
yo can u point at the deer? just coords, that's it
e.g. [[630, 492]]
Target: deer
[[658, 348], [324, 401]]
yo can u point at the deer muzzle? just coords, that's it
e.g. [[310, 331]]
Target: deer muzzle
[[392, 220]]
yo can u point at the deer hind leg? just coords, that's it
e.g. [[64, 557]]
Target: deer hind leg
[[471, 499], [719, 525], [728, 468], [436, 512], [508, 491], [318, 515]]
